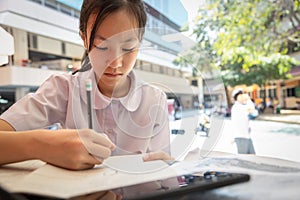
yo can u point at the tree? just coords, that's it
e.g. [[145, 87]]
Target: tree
[[247, 40]]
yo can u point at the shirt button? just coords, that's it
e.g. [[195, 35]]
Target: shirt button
[[110, 131]]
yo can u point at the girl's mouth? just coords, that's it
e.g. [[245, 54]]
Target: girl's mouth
[[112, 74]]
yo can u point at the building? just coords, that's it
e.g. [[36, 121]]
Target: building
[[46, 41], [285, 92]]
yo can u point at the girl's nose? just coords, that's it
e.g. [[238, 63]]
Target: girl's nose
[[115, 59], [116, 63]]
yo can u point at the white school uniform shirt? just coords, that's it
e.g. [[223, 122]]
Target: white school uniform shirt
[[137, 122], [240, 120]]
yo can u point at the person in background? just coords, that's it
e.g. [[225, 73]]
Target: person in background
[[277, 106], [240, 122], [130, 116], [177, 108], [270, 104]]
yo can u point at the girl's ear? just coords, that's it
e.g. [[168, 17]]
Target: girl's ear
[[83, 39]]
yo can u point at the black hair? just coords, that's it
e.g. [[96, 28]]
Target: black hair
[[237, 94]]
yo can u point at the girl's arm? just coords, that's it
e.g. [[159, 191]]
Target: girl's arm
[[159, 146], [67, 148]]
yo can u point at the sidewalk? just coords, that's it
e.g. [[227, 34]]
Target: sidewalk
[[285, 116]]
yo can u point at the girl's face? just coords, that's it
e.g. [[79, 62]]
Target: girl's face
[[115, 48], [243, 98]]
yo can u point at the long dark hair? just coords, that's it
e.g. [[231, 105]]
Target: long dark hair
[[135, 8]]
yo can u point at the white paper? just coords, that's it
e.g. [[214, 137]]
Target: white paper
[[11, 174], [57, 182], [134, 164]]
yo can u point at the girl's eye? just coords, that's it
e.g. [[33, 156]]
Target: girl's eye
[[128, 49], [101, 48]]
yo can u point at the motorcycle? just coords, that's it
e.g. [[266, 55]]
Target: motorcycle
[[204, 124]]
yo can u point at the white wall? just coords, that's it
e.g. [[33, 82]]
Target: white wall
[[21, 46], [48, 45]]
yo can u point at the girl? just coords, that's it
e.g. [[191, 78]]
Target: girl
[[130, 116]]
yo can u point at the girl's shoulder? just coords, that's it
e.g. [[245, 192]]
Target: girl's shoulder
[[60, 77], [65, 78], [63, 83]]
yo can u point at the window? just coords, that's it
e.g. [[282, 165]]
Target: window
[[66, 10], [51, 4], [195, 83], [146, 66], [297, 91], [63, 48], [262, 93], [28, 40], [291, 92], [155, 68], [37, 1], [34, 41], [272, 93]]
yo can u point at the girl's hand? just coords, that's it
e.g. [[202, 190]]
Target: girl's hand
[[157, 155], [72, 149]]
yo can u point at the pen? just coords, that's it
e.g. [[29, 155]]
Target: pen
[[88, 86]]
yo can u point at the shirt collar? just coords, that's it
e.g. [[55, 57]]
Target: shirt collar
[[131, 101]]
